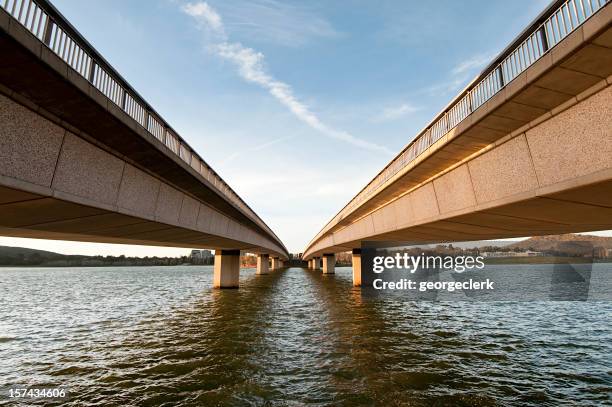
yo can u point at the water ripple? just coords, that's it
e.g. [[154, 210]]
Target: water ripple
[[162, 336]]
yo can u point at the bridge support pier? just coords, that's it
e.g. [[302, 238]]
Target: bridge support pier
[[263, 264], [315, 263], [226, 269], [275, 263], [329, 263], [310, 264], [356, 267]]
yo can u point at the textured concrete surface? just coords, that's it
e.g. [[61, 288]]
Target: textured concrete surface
[[84, 187], [385, 219], [64, 102], [503, 171], [454, 190], [138, 192], [556, 177], [423, 202], [169, 203], [29, 144], [577, 64], [205, 215], [189, 212], [87, 171], [577, 142]]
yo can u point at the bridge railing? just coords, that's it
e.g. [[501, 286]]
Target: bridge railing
[[556, 23], [48, 25]]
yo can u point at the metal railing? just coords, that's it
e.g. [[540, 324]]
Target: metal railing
[[53, 30], [559, 22]]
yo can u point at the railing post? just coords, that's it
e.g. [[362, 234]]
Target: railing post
[[92, 71], [500, 74], [47, 31], [145, 118], [544, 38], [124, 98]]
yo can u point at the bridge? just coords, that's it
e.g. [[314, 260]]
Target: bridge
[[525, 149], [84, 157]]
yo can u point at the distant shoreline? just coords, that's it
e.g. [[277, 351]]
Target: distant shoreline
[[543, 260]]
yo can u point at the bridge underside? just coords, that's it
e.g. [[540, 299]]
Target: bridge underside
[[554, 177], [56, 185], [535, 159], [75, 166], [23, 214]]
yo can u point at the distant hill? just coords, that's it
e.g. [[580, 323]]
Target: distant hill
[[17, 252], [23, 257], [570, 243]]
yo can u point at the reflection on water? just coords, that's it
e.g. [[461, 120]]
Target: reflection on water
[[162, 336]]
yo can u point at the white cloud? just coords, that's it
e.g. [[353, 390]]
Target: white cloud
[[251, 67], [472, 64], [396, 112], [460, 75], [276, 22], [205, 15]]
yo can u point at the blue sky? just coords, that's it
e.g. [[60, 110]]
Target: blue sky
[[296, 104]]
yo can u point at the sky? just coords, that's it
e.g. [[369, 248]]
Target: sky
[[297, 105]]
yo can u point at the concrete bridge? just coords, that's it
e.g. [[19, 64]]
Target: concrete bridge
[[525, 149], [84, 157]]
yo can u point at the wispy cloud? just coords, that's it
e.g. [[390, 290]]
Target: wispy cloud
[[205, 14], [475, 63], [250, 65], [276, 22], [460, 75], [257, 147], [395, 112]]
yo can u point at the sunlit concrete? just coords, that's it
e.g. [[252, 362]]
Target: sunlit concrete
[[275, 263], [329, 263], [535, 159], [263, 265], [356, 262], [226, 269]]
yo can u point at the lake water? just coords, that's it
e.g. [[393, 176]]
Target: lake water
[[162, 336]]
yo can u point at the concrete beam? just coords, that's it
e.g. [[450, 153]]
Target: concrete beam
[[68, 130], [553, 177], [567, 74], [75, 189], [226, 269]]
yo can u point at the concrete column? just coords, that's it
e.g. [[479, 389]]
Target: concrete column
[[226, 269], [356, 267], [262, 264], [275, 263], [329, 263], [310, 266], [315, 263]]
